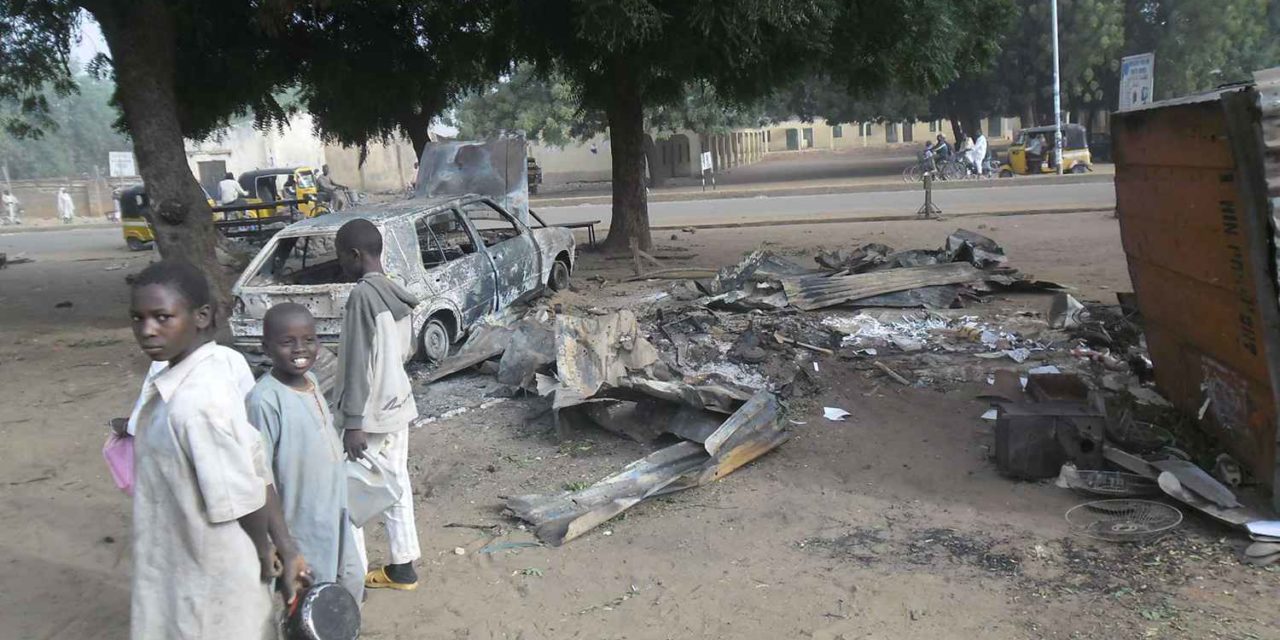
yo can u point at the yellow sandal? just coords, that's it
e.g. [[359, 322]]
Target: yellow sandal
[[378, 579]]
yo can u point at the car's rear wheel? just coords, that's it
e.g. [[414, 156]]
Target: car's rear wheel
[[559, 276], [136, 244], [1080, 168], [435, 341]]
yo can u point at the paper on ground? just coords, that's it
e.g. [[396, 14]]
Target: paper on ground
[[835, 414]]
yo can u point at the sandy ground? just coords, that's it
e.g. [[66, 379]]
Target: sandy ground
[[891, 525]]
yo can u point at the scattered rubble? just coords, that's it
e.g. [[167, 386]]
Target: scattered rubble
[[753, 430], [602, 369], [712, 362]]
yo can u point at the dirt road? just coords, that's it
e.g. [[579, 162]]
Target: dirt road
[[891, 525]]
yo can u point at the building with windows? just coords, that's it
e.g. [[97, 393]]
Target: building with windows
[[796, 135]]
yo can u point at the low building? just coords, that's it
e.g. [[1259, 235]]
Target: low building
[[796, 135], [388, 167], [671, 155], [241, 147]]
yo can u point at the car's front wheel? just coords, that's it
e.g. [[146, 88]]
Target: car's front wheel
[[435, 341], [559, 280]]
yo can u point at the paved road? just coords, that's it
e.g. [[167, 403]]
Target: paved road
[[853, 205], [108, 243], [63, 244]]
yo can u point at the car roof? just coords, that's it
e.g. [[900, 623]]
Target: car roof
[[379, 214]]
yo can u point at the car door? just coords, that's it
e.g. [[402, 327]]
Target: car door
[[511, 248], [454, 266]]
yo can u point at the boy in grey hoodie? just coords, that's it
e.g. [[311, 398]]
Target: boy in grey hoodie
[[374, 398]]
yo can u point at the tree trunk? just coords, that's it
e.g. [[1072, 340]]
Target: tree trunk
[[140, 34], [957, 130], [625, 113], [418, 128]]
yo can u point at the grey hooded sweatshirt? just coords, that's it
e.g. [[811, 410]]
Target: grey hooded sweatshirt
[[373, 391]]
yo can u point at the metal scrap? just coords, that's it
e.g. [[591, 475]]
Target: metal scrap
[[855, 261], [532, 345], [1198, 481], [816, 292], [487, 341], [974, 248], [753, 430], [1237, 516], [760, 265], [597, 351]]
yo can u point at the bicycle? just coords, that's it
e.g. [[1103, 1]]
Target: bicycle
[[915, 172]]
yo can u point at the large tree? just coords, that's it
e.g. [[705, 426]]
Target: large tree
[[375, 70], [1200, 44], [225, 66], [820, 96], [543, 108], [906, 68], [623, 56], [1090, 39], [546, 108]]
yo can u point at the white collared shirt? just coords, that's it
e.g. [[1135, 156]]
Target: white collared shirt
[[199, 467], [232, 362]]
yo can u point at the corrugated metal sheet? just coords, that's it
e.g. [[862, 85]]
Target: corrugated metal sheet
[[1198, 251], [817, 292], [755, 429]]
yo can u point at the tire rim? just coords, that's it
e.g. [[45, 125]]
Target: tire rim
[[560, 275], [435, 341]]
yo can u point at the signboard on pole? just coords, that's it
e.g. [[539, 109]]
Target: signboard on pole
[[706, 160], [1137, 80], [122, 164]]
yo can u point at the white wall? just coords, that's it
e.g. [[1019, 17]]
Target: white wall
[[574, 162], [244, 148]]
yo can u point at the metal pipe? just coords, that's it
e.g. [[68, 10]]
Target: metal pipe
[[1057, 91]]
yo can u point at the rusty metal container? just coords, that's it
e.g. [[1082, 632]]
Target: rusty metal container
[[1199, 234]]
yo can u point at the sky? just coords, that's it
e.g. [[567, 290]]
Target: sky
[[91, 42]]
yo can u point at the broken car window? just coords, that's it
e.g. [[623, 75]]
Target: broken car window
[[300, 260], [493, 225], [442, 237]]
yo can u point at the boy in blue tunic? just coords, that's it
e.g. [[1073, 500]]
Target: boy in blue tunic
[[303, 447]]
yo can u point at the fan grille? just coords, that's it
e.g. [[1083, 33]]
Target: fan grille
[[1123, 520]]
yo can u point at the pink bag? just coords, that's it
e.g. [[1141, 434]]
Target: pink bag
[[118, 452]]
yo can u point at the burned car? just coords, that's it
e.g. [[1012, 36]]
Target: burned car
[[462, 257]]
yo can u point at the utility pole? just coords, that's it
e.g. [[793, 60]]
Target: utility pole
[[1057, 91]]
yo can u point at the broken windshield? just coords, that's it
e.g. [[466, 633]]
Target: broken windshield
[[300, 260]]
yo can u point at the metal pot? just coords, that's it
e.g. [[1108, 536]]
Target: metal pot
[[325, 611]]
